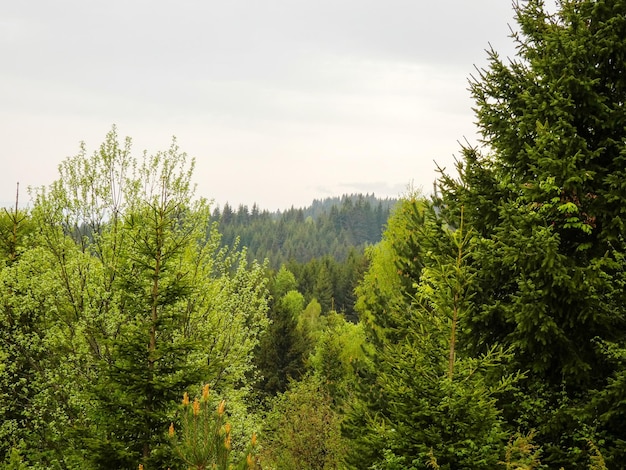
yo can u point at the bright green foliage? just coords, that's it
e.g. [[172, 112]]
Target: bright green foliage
[[20, 344], [310, 321], [546, 202], [293, 302], [284, 281], [15, 227], [422, 399], [389, 285], [31, 405], [338, 345], [204, 439], [522, 454], [14, 461], [303, 429], [125, 299]]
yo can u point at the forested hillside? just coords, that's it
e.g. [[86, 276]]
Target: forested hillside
[[491, 328], [332, 226], [322, 245]]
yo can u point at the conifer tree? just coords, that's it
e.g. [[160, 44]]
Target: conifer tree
[[545, 195], [281, 352], [422, 400]]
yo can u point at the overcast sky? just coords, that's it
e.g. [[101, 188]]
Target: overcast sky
[[280, 101]]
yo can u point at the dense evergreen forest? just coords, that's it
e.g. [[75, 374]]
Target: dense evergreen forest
[[323, 245], [486, 329], [332, 226]]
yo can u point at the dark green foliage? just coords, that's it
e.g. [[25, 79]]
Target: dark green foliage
[[492, 327], [133, 401], [384, 303], [546, 291], [329, 227], [281, 354], [547, 202], [331, 282], [322, 244], [421, 398]]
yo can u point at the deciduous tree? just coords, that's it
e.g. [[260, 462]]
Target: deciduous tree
[[133, 301]]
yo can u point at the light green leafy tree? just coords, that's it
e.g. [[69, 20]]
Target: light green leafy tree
[[338, 346], [143, 304], [302, 429]]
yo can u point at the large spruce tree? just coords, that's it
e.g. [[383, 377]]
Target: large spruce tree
[[423, 402], [546, 195], [543, 197]]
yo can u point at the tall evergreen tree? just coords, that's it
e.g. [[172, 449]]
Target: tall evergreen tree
[[546, 197], [543, 198], [423, 402], [281, 352]]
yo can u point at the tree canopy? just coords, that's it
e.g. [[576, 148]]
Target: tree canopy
[[491, 329], [124, 301]]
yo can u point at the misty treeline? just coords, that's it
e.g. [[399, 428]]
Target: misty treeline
[[329, 227], [487, 327]]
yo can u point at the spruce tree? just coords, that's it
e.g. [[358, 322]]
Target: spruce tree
[[545, 195], [543, 198], [280, 355], [423, 402]]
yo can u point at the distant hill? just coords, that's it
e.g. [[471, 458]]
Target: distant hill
[[323, 244], [328, 227]]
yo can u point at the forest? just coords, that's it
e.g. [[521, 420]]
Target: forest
[[482, 326]]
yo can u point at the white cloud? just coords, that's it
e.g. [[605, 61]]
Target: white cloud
[[276, 99]]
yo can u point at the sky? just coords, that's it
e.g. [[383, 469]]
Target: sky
[[279, 101]]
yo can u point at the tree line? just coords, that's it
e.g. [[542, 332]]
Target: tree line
[[329, 227]]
